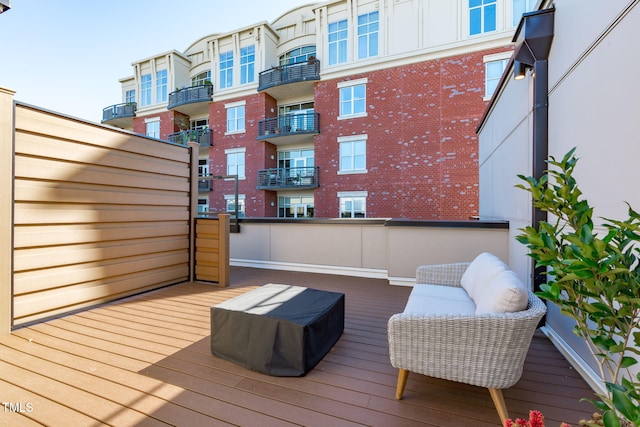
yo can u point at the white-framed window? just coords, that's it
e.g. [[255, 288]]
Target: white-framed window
[[235, 117], [295, 206], [203, 167], [353, 154], [493, 70], [230, 204], [203, 205], [203, 78], [298, 55], [161, 86], [353, 204], [247, 64], [338, 32], [226, 69], [353, 98], [145, 90], [152, 127], [235, 161], [368, 28], [130, 96], [482, 16], [518, 7]]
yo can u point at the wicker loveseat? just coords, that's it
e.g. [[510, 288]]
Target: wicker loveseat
[[466, 322]]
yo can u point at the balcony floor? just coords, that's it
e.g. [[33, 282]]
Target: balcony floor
[[146, 360]]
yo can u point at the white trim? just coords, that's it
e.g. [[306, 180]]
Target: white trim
[[235, 104], [350, 138], [370, 273], [497, 56], [577, 362], [356, 82], [402, 281], [151, 119], [353, 193], [235, 150]]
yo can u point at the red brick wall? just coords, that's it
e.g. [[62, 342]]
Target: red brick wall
[[168, 123], [422, 150], [257, 156]]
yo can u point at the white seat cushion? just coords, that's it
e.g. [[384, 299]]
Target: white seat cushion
[[505, 294], [437, 299], [480, 272]]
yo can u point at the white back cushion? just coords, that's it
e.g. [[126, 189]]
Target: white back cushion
[[505, 294], [480, 272]]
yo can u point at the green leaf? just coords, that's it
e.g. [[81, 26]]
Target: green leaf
[[627, 362], [623, 404], [610, 419]]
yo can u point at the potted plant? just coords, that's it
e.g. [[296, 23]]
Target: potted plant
[[593, 279]]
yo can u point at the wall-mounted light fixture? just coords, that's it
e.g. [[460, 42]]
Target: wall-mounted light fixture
[[519, 70], [5, 5]]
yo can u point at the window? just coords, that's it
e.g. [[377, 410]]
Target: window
[[301, 54], [153, 128], [338, 42], [353, 204], [235, 117], [203, 205], [230, 202], [492, 73], [130, 96], [226, 69], [353, 98], [368, 27], [353, 154], [161, 86], [247, 64], [520, 7], [145, 90], [295, 207], [201, 79], [482, 16], [203, 167], [235, 162]]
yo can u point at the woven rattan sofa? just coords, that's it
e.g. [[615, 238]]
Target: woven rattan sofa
[[469, 322]]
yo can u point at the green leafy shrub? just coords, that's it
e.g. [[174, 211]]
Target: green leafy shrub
[[593, 279]]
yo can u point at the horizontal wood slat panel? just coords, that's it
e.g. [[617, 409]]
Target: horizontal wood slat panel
[[58, 170], [39, 146], [51, 235], [55, 277], [43, 213], [29, 307], [40, 258], [98, 214], [33, 191], [58, 127]]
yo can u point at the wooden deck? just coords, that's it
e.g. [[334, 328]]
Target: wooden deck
[[146, 360]]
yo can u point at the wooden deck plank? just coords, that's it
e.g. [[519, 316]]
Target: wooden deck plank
[[148, 359]]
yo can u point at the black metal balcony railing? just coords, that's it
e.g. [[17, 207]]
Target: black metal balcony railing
[[289, 124], [282, 178], [202, 136], [188, 95], [119, 111], [204, 185], [290, 73]]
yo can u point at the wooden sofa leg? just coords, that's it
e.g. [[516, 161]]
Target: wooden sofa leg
[[498, 401], [403, 374]]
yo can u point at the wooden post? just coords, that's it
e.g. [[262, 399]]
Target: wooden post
[[7, 126]]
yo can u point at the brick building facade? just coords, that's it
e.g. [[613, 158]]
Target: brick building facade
[[369, 111]]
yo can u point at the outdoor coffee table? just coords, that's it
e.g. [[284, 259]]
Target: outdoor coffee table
[[280, 330]]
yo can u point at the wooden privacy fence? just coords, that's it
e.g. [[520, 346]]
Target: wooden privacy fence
[[212, 249], [89, 214]]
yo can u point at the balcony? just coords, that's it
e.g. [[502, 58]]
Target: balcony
[[288, 178], [191, 100], [289, 129], [120, 115], [202, 136], [290, 80]]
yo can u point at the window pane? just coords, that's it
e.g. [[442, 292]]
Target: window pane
[[475, 16], [490, 18]]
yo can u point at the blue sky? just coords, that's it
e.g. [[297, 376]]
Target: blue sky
[[67, 56]]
